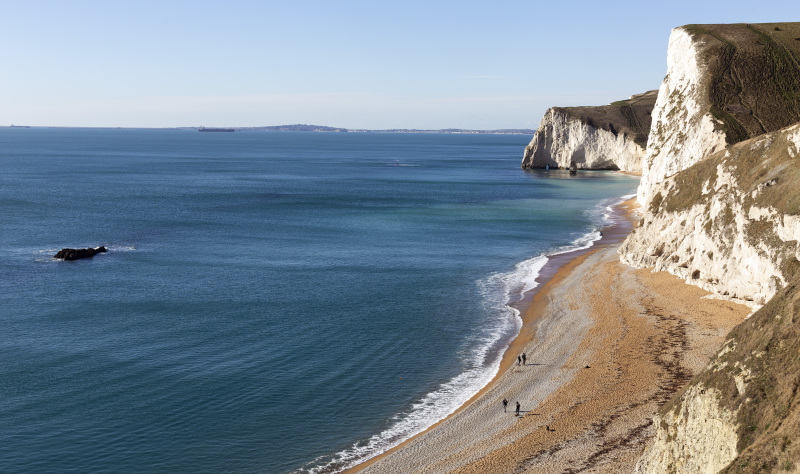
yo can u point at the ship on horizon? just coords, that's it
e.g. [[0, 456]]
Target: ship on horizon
[[211, 129]]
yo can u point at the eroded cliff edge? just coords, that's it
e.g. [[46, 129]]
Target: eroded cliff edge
[[606, 137], [729, 223], [724, 84], [720, 196]]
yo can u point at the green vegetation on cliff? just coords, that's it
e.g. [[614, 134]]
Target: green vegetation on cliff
[[754, 76], [768, 410], [763, 164], [630, 117]]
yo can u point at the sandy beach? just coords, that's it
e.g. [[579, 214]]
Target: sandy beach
[[606, 346]]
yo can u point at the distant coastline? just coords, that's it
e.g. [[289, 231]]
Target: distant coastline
[[323, 128]]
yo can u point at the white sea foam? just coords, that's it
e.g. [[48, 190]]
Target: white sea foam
[[524, 276], [122, 248], [603, 215], [38, 255], [499, 291]]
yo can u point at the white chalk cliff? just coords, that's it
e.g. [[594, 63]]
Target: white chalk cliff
[[610, 136], [720, 208], [562, 139], [727, 238], [683, 130], [722, 212]]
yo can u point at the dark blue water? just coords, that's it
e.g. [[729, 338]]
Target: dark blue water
[[270, 301]]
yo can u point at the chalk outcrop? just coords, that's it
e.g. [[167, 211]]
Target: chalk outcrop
[[724, 84], [683, 131], [727, 224], [704, 221], [720, 196], [606, 137], [698, 436]]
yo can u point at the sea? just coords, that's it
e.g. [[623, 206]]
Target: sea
[[270, 301]]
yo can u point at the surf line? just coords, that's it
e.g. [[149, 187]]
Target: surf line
[[618, 220]]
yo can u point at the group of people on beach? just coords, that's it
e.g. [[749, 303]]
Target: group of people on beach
[[521, 360], [505, 406]]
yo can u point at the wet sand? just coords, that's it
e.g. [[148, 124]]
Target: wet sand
[[606, 344]]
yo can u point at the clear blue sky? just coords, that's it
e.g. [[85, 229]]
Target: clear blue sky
[[355, 64]]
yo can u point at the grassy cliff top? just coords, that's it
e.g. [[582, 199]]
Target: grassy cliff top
[[630, 117], [769, 165], [753, 76]]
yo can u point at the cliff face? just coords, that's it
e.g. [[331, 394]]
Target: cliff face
[[720, 197], [728, 224], [698, 436], [724, 84], [682, 132], [607, 137]]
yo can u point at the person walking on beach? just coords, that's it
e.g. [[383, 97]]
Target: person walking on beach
[[517, 413], [505, 404], [519, 359], [523, 358]]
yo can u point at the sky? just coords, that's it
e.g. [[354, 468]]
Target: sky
[[353, 64]]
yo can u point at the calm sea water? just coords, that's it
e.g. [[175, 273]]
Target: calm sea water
[[271, 302]]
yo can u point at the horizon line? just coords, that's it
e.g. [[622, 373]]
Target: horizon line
[[288, 128]]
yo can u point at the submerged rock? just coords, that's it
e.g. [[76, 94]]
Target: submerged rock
[[76, 254]]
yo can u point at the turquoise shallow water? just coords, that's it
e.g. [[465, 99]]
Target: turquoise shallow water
[[271, 301]]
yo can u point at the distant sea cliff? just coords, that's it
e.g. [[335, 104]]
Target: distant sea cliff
[[605, 137], [720, 208]]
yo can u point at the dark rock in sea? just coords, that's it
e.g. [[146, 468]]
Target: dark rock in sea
[[75, 254]]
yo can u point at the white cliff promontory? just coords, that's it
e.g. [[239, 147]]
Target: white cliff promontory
[[561, 140], [720, 197], [683, 130], [604, 137], [724, 84]]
